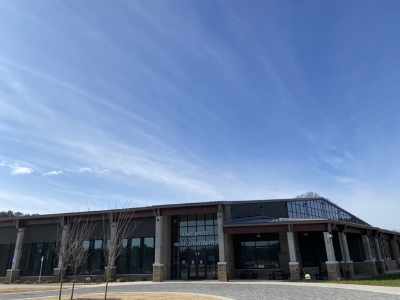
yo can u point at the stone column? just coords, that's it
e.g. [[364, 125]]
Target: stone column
[[396, 251], [380, 262], [13, 273], [332, 266], [369, 258], [111, 269], [294, 266], [162, 249], [60, 270], [346, 263], [223, 262]]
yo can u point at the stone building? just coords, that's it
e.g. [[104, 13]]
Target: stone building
[[263, 239]]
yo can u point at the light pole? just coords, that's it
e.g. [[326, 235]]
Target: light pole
[[41, 268]]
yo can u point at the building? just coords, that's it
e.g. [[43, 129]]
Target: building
[[263, 239]]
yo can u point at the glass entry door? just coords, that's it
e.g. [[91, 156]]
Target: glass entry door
[[195, 264], [195, 248]]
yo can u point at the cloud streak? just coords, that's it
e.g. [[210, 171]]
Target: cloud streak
[[53, 173], [19, 170]]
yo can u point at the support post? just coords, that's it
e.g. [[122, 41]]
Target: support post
[[332, 266], [222, 264], [60, 270], [294, 266], [162, 249], [369, 258], [346, 263], [380, 262], [13, 273]]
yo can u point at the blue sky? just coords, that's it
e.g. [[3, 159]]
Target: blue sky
[[107, 103]]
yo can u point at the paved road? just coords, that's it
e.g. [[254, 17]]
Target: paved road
[[241, 291]]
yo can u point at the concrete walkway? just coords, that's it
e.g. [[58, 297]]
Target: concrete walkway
[[242, 290]]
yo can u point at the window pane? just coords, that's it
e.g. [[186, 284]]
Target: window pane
[[98, 244], [148, 254]]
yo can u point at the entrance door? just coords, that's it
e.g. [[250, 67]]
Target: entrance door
[[196, 265]]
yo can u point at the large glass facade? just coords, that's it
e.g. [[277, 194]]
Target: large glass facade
[[194, 247], [257, 251], [6, 255], [95, 262], [33, 253], [137, 256], [319, 209]]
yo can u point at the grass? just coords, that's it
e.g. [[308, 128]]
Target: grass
[[386, 280]]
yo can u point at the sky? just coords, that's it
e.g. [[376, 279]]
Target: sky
[[113, 103]]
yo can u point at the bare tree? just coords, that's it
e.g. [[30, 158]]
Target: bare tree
[[74, 250], [120, 224]]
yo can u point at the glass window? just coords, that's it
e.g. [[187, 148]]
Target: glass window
[[98, 244], [192, 220], [148, 254], [193, 245], [257, 252], [138, 257], [319, 209], [6, 254], [32, 254]]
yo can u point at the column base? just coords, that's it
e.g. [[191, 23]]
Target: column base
[[347, 268], [333, 270], [380, 266], [294, 270], [223, 271], [110, 272], [59, 272], [158, 272], [371, 267], [12, 275]]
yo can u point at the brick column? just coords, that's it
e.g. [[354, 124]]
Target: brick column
[[332, 266], [13, 273], [346, 263], [380, 262], [223, 268], [60, 270], [294, 266], [162, 249], [369, 258]]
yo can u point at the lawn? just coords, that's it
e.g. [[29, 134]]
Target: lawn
[[387, 280]]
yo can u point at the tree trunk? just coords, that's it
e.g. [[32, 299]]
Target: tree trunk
[[72, 291], [61, 286], [105, 292]]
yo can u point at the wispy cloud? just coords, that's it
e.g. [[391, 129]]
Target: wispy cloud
[[53, 173], [18, 170]]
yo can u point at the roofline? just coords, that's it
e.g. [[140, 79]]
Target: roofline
[[315, 221], [151, 207], [177, 205], [210, 203]]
